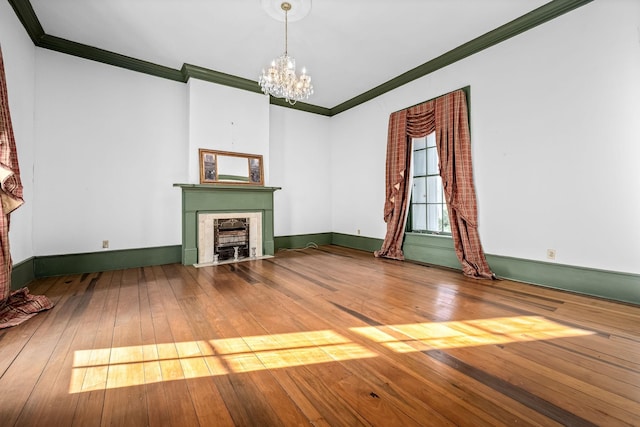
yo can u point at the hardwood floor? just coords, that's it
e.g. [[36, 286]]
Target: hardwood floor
[[327, 337]]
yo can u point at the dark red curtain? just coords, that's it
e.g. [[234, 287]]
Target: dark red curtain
[[414, 122], [17, 306], [448, 117]]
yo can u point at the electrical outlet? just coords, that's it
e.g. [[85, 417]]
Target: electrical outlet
[[105, 244], [551, 254], [358, 231]]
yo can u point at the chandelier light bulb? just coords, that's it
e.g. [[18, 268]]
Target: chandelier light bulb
[[281, 80]]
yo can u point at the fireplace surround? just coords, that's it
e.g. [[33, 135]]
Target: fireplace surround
[[200, 200], [220, 233]]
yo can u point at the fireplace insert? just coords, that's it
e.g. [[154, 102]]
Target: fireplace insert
[[229, 234]]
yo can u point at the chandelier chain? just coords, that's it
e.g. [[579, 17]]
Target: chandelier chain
[[286, 30]]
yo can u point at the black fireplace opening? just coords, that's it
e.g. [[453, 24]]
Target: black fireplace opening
[[231, 235]]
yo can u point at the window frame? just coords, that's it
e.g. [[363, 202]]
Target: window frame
[[428, 173]]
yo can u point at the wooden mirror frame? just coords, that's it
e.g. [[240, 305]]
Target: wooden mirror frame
[[226, 167]]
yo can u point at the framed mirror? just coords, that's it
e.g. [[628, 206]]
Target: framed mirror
[[225, 167]]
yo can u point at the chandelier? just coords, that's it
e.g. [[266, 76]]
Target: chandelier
[[280, 79]]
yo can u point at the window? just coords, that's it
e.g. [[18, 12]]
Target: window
[[428, 207]]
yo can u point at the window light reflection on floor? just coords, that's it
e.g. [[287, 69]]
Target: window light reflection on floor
[[106, 368], [136, 365], [468, 333]]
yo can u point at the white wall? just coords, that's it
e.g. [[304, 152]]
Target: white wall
[[555, 135], [358, 152], [19, 64], [226, 119], [571, 141], [300, 164], [554, 132], [110, 145]]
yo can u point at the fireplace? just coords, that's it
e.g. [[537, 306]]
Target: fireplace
[[202, 204], [231, 238], [219, 234]]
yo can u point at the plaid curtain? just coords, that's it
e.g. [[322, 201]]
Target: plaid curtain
[[454, 152], [414, 122], [18, 306], [447, 116]]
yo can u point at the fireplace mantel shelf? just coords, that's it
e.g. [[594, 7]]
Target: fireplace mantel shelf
[[213, 198], [219, 187]]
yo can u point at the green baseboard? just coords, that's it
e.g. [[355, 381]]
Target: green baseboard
[[590, 281], [347, 240], [356, 242], [438, 250], [435, 250], [430, 249], [58, 265], [301, 240], [22, 273]]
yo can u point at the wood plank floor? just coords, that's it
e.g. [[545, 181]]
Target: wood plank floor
[[326, 337]]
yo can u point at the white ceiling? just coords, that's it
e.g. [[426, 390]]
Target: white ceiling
[[347, 46]]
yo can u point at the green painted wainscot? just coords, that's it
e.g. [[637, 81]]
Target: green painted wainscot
[[213, 198]]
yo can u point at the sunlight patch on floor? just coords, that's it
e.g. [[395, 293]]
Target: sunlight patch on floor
[[106, 368], [467, 333]]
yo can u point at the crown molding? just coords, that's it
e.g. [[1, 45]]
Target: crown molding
[[100, 55], [519, 25], [194, 71], [201, 73], [28, 18], [545, 13], [301, 106]]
